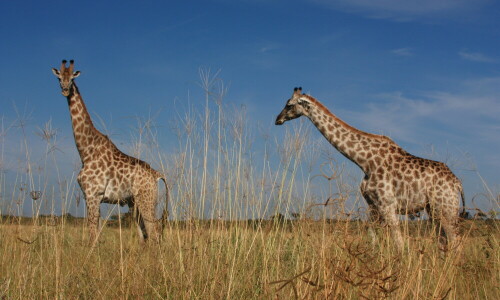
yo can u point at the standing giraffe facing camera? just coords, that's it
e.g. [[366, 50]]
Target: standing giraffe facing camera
[[395, 181], [108, 175]]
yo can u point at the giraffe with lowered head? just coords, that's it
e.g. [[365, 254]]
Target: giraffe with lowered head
[[108, 175], [395, 181]]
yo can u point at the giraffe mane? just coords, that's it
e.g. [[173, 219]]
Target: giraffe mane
[[326, 111]]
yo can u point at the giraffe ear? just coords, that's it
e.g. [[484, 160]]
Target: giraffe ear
[[56, 72], [76, 74]]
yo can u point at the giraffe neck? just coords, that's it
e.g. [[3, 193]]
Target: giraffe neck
[[83, 129], [360, 147]]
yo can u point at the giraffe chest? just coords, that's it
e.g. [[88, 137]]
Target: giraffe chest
[[114, 186]]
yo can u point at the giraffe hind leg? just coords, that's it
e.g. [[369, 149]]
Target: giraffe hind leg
[[139, 221], [445, 225], [150, 226], [141, 228]]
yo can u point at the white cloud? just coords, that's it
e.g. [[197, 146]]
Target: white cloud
[[268, 47], [477, 57], [471, 113], [403, 52], [404, 10]]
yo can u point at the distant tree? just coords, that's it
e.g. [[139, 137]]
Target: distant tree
[[278, 217]]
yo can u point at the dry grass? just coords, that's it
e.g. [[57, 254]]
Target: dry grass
[[246, 260]]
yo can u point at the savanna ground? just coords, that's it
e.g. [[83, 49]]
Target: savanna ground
[[221, 172], [50, 258]]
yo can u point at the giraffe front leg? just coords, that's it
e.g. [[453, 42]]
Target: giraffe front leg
[[93, 219], [375, 219], [382, 206], [373, 214], [389, 215], [93, 189]]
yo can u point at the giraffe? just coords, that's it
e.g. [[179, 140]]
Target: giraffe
[[395, 182], [108, 175]]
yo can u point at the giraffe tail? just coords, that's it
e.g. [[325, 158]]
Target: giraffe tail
[[164, 216], [463, 214]]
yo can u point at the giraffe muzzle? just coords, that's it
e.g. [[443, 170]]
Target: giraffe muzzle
[[281, 118], [65, 92]]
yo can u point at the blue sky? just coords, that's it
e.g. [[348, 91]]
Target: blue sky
[[427, 75]]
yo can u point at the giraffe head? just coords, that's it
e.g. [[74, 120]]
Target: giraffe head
[[295, 107], [66, 76]]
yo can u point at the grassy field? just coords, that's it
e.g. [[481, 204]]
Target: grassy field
[[247, 260], [222, 171]]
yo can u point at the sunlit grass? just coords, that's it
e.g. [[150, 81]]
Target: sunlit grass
[[244, 260]]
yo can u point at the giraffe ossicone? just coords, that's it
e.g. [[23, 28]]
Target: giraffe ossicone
[[109, 175], [395, 181]]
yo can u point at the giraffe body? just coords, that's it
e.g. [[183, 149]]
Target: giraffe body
[[108, 175], [395, 181]]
